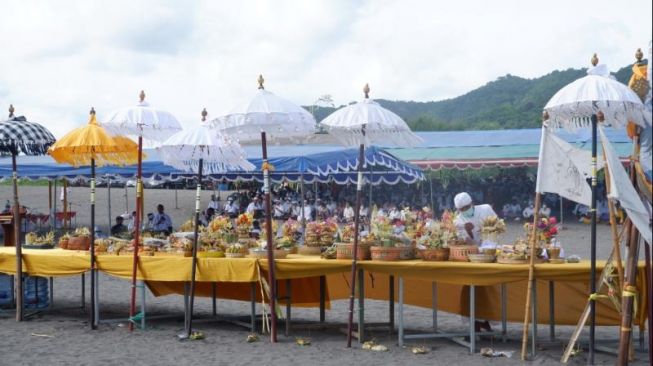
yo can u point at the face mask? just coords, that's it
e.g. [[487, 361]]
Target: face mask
[[469, 213]]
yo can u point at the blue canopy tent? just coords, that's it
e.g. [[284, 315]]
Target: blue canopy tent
[[329, 166]]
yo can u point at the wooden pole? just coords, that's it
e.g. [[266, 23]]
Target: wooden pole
[[354, 254], [65, 204], [629, 289], [613, 226], [137, 229], [531, 277], [270, 244]]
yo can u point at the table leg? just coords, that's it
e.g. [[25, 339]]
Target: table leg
[[361, 306], [472, 319], [504, 313], [97, 298], [186, 305], [51, 306], [142, 305], [400, 330], [322, 298], [252, 314], [214, 294], [391, 307], [288, 305], [434, 305], [552, 320], [83, 301]]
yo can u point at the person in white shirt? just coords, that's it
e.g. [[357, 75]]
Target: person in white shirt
[[348, 213], [296, 210], [231, 209], [545, 211], [254, 206], [363, 212], [469, 218], [307, 214], [394, 213], [529, 211], [214, 204]]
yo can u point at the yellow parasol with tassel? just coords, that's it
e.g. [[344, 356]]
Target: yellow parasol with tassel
[[92, 145]]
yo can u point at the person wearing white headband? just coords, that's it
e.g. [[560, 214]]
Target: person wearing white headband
[[469, 218]]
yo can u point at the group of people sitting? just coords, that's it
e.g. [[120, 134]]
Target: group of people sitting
[[157, 223]]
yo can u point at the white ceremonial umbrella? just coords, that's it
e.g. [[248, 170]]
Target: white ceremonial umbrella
[[261, 117], [583, 103], [193, 150], [365, 123], [152, 125]]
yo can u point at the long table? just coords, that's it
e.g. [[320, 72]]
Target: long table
[[310, 276]]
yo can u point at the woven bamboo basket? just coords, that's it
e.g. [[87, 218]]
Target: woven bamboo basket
[[458, 253], [435, 255], [306, 250], [386, 253], [79, 242], [263, 254], [345, 251]]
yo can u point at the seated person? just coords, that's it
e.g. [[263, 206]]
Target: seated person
[[545, 211], [206, 218], [256, 230], [119, 227], [529, 212], [161, 221]]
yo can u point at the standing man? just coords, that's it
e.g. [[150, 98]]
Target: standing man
[[470, 217]]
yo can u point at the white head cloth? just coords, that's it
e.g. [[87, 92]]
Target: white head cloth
[[462, 199]]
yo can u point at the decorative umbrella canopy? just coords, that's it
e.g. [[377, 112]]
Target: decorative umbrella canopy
[[17, 135], [219, 152], [20, 136], [82, 144], [280, 119], [368, 123], [152, 124], [572, 106]]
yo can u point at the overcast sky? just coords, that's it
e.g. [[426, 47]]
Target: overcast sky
[[59, 58]]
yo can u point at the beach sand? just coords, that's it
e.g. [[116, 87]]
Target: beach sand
[[62, 336]]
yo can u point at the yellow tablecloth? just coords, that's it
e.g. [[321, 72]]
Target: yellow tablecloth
[[166, 275]]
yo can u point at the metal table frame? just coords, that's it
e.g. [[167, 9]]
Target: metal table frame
[[455, 337]]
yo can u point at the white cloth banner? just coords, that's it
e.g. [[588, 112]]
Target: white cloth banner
[[563, 169], [622, 190]]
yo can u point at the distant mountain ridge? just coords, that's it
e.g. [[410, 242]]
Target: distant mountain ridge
[[508, 102]]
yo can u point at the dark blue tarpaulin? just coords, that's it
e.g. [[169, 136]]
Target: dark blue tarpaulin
[[332, 166]]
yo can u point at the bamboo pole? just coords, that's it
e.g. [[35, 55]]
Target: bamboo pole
[[613, 226], [19, 259], [65, 204], [531, 277], [354, 254]]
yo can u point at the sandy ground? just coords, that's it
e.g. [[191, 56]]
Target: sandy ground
[[62, 336]]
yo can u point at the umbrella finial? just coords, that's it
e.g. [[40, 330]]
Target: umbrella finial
[[260, 81], [92, 112], [11, 110], [204, 114], [595, 60], [639, 55], [366, 90], [142, 96]]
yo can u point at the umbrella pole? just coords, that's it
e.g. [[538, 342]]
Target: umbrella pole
[[531, 278], [268, 237], [109, 201], [50, 202], [593, 243], [189, 316], [137, 228], [92, 244], [354, 254], [302, 210], [19, 259]]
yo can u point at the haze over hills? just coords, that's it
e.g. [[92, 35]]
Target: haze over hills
[[508, 102]]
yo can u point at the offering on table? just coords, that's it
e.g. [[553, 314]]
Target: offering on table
[[434, 243], [34, 241], [236, 251], [80, 239], [491, 228]]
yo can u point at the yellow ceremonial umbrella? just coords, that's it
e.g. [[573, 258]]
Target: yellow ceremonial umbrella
[[92, 145]]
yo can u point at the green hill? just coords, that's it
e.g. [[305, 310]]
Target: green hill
[[508, 102]]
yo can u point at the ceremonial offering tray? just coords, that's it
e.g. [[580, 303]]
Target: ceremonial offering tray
[[435, 255], [386, 253], [481, 258], [307, 250], [459, 253], [557, 261]]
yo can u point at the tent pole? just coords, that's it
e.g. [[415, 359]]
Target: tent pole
[[198, 196], [50, 201], [354, 254], [54, 204], [92, 247], [19, 252], [127, 199], [268, 235], [531, 277], [137, 229], [302, 210]]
